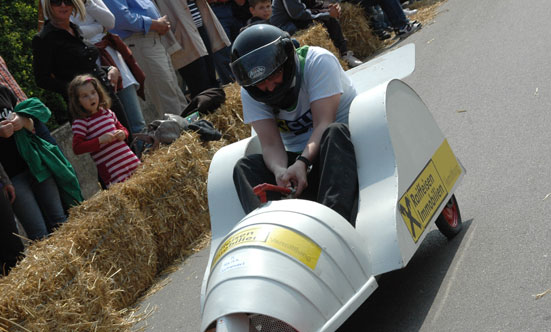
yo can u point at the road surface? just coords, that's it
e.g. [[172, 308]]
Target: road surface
[[484, 70]]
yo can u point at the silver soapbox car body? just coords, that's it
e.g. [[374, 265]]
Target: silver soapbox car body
[[296, 265]]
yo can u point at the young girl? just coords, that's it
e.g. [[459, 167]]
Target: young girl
[[97, 131]]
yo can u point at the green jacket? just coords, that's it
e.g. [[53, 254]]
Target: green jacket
[[45, 159]]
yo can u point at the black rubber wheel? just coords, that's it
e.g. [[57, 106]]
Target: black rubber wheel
[[449, 221]]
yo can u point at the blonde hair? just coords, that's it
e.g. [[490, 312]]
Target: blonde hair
[[78, 8], [75, 108]]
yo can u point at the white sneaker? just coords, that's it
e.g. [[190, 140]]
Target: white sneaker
[[351, 59], [408, 29], [409, 12]]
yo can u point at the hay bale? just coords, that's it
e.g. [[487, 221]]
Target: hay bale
[[170, 190], [97, 231], [228, 118], [317, 35], [54, 289], [355, 28]]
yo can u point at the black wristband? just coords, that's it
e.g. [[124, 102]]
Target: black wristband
[[304, 160]]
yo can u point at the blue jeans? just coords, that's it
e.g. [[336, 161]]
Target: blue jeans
[[37, 205], [132, 108], [224, 14], [392, 9], [231, 26], [222, 64]]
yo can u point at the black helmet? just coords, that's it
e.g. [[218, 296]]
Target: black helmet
[[259, 51]]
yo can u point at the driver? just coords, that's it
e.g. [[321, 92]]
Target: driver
[[297, 101]]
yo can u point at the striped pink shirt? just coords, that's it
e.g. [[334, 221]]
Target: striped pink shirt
[[115, 161]]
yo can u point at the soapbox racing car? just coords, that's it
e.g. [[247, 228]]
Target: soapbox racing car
[[296, 265]]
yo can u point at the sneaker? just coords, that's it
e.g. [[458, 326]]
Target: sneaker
[[382, 34], [351, 59], [408, 29], [409, 12]]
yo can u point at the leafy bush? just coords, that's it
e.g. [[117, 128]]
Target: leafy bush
[[18, 25]]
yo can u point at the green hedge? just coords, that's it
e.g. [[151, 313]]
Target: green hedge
[[18, 25]]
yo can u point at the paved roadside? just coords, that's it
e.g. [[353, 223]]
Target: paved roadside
[[176, 305]]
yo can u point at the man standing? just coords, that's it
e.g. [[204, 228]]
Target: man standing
[[297, 102], [140, 25]]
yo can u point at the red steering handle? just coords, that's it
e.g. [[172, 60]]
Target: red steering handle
[[261, 189]]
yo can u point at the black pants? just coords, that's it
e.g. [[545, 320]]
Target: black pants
[[332, 182], [200, 75], [10, 245]]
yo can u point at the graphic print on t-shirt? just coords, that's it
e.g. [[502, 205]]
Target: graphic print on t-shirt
[[296, 126]]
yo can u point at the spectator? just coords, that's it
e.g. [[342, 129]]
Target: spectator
[[98, 20], [140, 25], [42, 177], [241, 12], [224, 11], [200, 34], [292, 15], [261, 11], [60, 53], [394, 13], [10, 245], [7, 79], [297, 102], [97, 131], [378, 22]]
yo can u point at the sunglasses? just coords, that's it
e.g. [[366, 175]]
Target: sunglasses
[[58, 2]]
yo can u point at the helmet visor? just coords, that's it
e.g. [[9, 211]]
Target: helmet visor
[[257, 65]]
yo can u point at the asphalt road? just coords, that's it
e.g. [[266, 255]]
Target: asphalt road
[[483, 69]]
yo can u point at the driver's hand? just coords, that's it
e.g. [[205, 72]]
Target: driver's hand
[[281, 179], [296, 177]]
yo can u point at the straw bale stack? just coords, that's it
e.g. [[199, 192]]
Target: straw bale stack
[[317, 35], [55, 288], [228, 119], [361, 39], [170, 190]]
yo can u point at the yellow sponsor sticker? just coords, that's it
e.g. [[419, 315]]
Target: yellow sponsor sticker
[[423, 198], [283, 239], [296, 245], [447, 165]]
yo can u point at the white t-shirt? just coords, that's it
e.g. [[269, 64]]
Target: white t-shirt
[[323, 77], [99, 18]]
